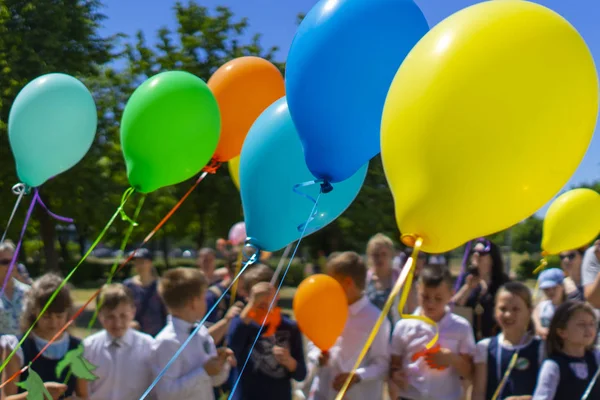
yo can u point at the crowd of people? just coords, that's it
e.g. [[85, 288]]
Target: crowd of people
[[495, 338]]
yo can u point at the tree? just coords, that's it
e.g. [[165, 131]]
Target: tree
[[39, 37], [527, 236]]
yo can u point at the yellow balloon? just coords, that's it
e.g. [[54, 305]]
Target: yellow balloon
[[234, 171], [472, 109], [572, 221]]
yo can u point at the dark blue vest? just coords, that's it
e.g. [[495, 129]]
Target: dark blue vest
[[522, 378], [45, 367], [572, 386]]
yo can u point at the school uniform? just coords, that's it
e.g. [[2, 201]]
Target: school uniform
[[186, 378], [123, 365], [565, 377], [45, 365], [373, 371], [497, 355], [411, 336]]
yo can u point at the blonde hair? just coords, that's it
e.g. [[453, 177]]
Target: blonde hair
[[379, 240]]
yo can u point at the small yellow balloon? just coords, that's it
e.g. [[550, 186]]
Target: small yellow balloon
[[572, 221], [234, 171], [473, 107]]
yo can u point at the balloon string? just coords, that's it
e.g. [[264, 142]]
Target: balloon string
[[13, 262], [325, 188], [113, 268], [280, 265], [19, 189], [251, 261], [128, 192], [274, 299], [542, 266], [406, 270], [97, 293]]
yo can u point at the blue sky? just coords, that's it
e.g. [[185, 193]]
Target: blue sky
[[276, 20]]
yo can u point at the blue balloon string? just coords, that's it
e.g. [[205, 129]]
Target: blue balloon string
[[251, 261], [302, 227], [310, 218]]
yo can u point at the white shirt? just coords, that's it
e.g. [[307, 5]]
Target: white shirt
[[186, 378], [411, 336], [373, 371], [124, 371]]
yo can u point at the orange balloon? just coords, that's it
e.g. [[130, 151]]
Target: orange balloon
[[244, 87], [321, 310]]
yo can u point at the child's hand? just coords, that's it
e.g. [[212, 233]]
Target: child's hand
[[323, 358], [441, 358], [215, 365], [283, 357], [338, 381], [55, 389], [226, 354], [260, 295], [234, 311]]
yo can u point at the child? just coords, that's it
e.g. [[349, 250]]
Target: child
[[551, 282], [49, 324], [201, 366], [432, 374], [350, 271], [494, 356], [572, 362], [278, 356], [122, 355]]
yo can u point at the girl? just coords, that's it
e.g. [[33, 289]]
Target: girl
[[49, 324], [572, 362], [478, 288], [551, 282], [507, 365]]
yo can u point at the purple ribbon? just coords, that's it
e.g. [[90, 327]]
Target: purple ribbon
[[35, 200], [463, 268]]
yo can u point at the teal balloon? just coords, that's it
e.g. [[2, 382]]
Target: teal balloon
[[271, 165], [51, 127]]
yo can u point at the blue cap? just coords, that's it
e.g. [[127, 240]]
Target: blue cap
[[550, 278]]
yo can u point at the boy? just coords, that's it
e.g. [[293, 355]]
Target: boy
[[350, 271], [121, 353], [278, 355], [435, 374], [201, 366]]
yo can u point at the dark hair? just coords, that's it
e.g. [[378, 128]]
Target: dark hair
[[180, 285], [562, 315], [40, 293], [520, 290], [433, 276], [498, 275], [349, 264], [113, 295], [256, 274]]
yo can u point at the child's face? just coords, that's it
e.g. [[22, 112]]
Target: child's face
[[118, 320], [554, 293], [581, 329], [49, 324], [433, 300], [512, 312]]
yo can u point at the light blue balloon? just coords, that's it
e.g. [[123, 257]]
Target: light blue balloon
[[339, 69], [51, 126], [271, 164]]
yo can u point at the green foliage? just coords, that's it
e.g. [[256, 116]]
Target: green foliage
[[79, 366], [527, 236], [525, 269], [34, 386]]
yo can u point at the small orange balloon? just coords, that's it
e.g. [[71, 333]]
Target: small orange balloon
[[244, 87], [321, 310]]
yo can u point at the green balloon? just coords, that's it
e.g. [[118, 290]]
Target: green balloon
[[169, 130]]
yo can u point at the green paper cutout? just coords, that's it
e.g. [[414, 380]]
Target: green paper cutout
[[34, 385], [80, 367]]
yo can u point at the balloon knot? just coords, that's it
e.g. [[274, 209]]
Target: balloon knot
[[212, 166], [409, 240], [21, 188], [326, 187]]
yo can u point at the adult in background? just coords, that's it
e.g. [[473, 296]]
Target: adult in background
[[590, 275], [206, 262], [478, 287], [571, 262], [381, 275], [12, 298], [151, 313]]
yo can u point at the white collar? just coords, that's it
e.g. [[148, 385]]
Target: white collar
[[126, 339], [180, 325]]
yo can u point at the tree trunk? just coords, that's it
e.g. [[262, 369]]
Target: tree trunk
[[165, 249], [81, 239], [48, 234]]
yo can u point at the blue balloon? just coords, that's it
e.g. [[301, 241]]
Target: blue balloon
[[338, 72], [271, 164], [51, 126]]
